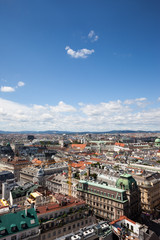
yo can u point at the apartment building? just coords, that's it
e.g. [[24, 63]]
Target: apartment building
[[19, 225], [64, 216], [149, 185], [111, 202], [14, 165], [107, 202]]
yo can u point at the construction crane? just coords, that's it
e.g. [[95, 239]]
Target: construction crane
[[46, 163], [69, 174], [69, 178]]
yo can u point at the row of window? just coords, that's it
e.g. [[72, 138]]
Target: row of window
[[90, 196], [103, 193], [65, 229]]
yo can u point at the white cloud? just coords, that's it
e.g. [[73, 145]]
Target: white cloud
[[82, 53], [20, 84], [159, 99], [11, 89], [92, 36], [7, 89], [62, 107], [141, 102], [104, 116]]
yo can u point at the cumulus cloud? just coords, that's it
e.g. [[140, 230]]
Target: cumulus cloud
[[82, 53], [141, 102], [20, 84], [92, 36], [11, 89], [62, 107], [7, 89], [103, 116]]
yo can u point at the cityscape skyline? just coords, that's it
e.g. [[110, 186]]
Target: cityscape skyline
[[79, 65]]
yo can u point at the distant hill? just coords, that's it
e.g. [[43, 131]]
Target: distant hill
[[68, 132]]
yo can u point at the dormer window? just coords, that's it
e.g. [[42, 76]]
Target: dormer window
[[23, 224], [2, 230], [13, 227]]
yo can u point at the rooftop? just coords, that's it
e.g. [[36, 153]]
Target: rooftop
[[17, 221], [96, 184]]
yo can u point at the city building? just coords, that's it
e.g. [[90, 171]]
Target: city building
[[63, 216], [58, 183], [4, 175], [129, 184], [108, 202], [149, 185], [19, 193], [38, 175], [127, 229], [19, 225], [14, 165], [7, 186], [112, 202], [102, 231]]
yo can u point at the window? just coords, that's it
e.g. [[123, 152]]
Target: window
[[54, 233], [131, 227], [59, 231], [44, 237], [23, 225], [82, 223], [78, 224], [64, 229], [33, 232], [23, 235], [69, 227], [13, 228], [74, 226], [14, 237], [2, 232], [49, 235]]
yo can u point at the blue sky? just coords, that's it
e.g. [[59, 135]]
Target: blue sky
[[79, 65]]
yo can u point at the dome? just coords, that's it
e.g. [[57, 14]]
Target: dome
[[157, 140], [40, 172], [126, 182]]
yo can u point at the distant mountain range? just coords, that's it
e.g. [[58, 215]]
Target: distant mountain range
[[68, 132]]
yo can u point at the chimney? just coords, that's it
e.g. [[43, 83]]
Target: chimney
[[26, 212]]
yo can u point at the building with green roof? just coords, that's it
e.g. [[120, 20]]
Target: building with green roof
[[22, 224], [157, 142], [18, 193], [107, 202], [112, 202], [129, 184], [126, 182]]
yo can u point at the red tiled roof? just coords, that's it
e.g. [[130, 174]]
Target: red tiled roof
[[81, 146], [51, 207], [96, 159], [119, 144], [122, 218]]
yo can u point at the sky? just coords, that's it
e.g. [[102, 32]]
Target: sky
[[79, 65]]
